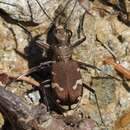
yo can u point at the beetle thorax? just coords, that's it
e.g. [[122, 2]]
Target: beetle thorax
[[62, 49], [63, 53]]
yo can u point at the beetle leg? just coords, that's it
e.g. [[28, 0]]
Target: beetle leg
[[93, 91], [85, 65], [43, 45], [20, 54], [80, 29], [34, 69], [78, 42], [45, 86]]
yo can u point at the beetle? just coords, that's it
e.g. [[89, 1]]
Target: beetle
[[64, 85]]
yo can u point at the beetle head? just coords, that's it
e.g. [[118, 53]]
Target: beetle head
[[62, 35]]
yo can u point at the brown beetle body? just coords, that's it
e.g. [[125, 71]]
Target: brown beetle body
[[62, 85], [66, 82]]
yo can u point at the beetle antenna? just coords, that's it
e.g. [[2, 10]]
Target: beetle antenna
[[80, 27], [67, 3], [44, 11], [14, 5], [70, 13]]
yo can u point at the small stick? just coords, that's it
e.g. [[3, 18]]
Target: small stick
[[24, 78], [29, 80], [118, 67]]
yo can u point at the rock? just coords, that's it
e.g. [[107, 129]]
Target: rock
[[22, 21], [105, 90]]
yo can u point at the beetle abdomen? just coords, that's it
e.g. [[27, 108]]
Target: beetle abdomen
[[66, 82]]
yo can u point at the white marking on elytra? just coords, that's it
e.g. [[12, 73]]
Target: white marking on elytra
[[56, 85], [78, 82], [78, 69], [53, 73]]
